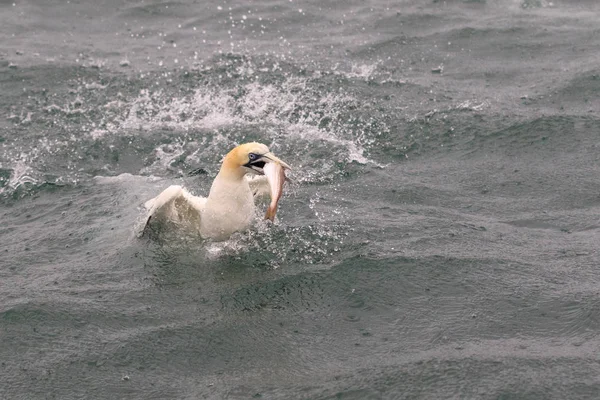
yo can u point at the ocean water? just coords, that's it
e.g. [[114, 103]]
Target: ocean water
[[439, 240]]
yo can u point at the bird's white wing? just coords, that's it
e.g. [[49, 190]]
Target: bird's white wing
[[175, 204], [259, 185]]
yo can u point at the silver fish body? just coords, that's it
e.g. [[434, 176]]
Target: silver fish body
[[275, 174]]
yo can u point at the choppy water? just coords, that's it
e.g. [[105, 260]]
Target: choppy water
[[440, 240]]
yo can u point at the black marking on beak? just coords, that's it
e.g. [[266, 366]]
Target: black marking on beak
[[257, 164], [260, 164]]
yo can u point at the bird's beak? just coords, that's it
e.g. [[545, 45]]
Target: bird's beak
[[270, 157], [258, 165]]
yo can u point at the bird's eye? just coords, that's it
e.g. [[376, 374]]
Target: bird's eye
[[253, 156]]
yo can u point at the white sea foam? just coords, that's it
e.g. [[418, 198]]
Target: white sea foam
[[287, 112], [363, 71], [292, 107], [21, 174]]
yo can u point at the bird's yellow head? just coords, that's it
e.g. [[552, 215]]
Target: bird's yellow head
[[249, 158]]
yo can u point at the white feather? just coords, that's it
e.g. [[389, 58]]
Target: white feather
[[228, 208]]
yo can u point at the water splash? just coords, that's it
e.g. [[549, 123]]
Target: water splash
[[171, 122], [20, 175], [276, 245]]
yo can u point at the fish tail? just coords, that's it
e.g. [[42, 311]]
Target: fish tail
[[271, 211]]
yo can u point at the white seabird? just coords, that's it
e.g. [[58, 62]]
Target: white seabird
[[229, 206]]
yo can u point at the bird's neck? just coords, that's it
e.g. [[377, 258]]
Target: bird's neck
[[229, 207], [230, 171], [228, 185]]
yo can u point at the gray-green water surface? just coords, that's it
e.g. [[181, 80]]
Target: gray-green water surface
[[440, 239]]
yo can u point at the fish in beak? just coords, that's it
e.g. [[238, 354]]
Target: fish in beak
[[274, 169], [275, 173]]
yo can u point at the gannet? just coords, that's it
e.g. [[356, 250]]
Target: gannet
[[229, 206]]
